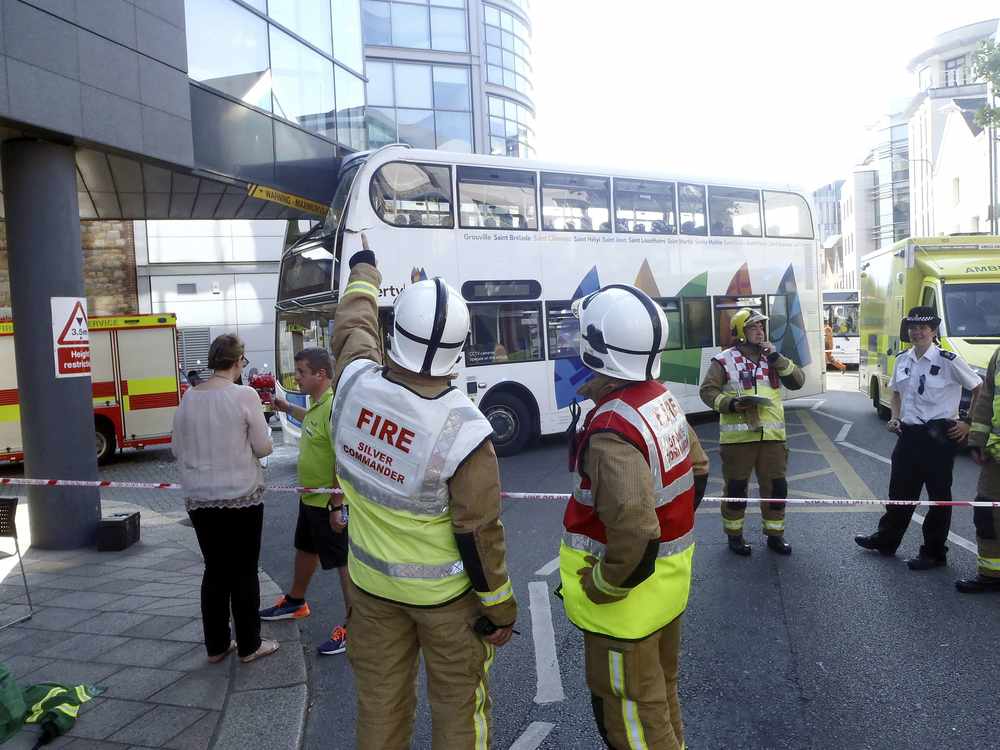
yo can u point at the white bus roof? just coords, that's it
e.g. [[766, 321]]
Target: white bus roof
[[399, 151]]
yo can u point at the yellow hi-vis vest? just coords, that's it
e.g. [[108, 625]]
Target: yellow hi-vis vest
[[396, 452], [992, 450], [746, 378], [648, 416]]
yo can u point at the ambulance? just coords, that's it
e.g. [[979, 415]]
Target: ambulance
[[958, 276], [134, 377]]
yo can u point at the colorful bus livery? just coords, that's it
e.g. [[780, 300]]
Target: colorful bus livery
[[521, 240], [134, 380]]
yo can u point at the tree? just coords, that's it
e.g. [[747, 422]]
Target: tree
[[986, 67]]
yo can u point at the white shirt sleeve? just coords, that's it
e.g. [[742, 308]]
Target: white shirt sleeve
[[901, 362], [963, 374]]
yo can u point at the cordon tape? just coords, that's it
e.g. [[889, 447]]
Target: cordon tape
[[537, 496]]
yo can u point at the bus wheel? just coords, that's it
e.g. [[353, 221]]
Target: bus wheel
[[882, 411], [105, 443], [511, 423]]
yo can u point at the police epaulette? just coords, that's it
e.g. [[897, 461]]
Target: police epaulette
[[948, 355]]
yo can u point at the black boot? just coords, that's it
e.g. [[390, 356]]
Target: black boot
[[979, 584], [777, 543], [738, 545], [925, 562], [875, 543]]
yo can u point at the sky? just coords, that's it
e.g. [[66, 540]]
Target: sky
[[772, 90]]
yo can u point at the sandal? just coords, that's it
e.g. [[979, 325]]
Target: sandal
[[266, 648], [219, 657]]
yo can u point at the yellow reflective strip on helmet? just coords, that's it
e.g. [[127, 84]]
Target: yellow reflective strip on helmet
[[989, 563], [497, 596], [604, 587], [479, 717], [362, 287], [39, 708], [630, 711]]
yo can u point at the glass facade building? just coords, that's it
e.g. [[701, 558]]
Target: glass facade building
[[449, 74], [891, 192]]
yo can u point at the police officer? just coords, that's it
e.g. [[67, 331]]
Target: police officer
[[985, 441], [743, 384], [926, 384], [426, 554], [625, 558]]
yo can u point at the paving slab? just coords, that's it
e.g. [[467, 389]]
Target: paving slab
[[102, 717], [197, 690], [57, 618], [158, 726], [85, 600], [158, 625], [264, 718], [138, 683], [22, 664], [197, 736], [70, 673], [144, 652], [84, 647], [110, 623], [287, 666], [192, 631]]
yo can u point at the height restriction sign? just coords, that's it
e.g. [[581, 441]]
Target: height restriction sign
[[70, 337]]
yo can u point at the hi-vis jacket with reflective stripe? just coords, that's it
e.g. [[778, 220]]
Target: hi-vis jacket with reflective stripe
[[396, 451], [985, 432], [742, 376], [647, 415]]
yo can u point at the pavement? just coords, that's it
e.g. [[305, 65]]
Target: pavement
[[130, 622]]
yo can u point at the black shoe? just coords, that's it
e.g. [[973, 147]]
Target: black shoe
[[980, 584], [872, 542], [925, 562], [738, 545], [778, 544]]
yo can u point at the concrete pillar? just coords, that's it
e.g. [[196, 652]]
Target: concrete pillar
[[57, 416]]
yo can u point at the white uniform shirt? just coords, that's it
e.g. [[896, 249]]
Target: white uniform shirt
[[931, 387]]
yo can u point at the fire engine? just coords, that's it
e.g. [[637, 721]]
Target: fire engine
[[135, 381]]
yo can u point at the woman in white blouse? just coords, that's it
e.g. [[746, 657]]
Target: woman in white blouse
[[219, 434]]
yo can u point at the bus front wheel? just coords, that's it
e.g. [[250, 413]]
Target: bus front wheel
[[511, 423], [105, 442]]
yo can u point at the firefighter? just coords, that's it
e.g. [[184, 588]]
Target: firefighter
[[625, 557], [426, 554], [926, 385], [752, 429], [985, 442]]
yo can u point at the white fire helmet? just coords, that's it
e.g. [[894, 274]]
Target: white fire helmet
[[430, 326], [622, 332]]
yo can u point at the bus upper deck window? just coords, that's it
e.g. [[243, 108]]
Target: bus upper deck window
[[413, 195], [787, 215], [645, 207], [575, 203], [734, 212], [491, 198], [691, 209]]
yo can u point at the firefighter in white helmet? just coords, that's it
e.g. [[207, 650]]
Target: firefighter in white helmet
[[625, 557], [743, 384], [427, 555]]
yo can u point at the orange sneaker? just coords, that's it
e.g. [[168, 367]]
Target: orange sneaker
[[336, 644], [283, 610]]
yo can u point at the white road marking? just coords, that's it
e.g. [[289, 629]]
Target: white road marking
[[842, 435], [549, 687], [549, 568], [866, 452], [833, 417], [533, 736], [954, 538]]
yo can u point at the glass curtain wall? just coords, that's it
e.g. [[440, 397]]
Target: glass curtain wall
[[297, 59], [508, 49], [512, 128], [420, 24]]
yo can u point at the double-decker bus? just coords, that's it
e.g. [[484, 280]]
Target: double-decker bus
[[522, 239], [840, 309]]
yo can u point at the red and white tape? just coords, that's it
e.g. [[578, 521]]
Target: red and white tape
[[537, 496]]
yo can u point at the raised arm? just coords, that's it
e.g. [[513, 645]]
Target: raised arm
[[355, 326]]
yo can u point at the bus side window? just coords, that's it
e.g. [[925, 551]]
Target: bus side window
[[418, 195], [575, 203], [691, 209], [504, 332], [697, 322], [564, 330], [496, 198], [787, 215], [735, 212], [726, 308], [642, 206], [672, 309]]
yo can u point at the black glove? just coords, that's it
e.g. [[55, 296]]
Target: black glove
[[773, 357], [362, 256], [700, 484]]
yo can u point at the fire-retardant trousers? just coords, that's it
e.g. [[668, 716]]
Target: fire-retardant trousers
[[386, 641], [988, 538], [769, 460], [633, 689]]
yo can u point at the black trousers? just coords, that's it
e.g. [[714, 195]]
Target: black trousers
[[919, 460], [230, 543]]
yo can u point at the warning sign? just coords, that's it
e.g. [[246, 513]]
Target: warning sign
[[70, 337]]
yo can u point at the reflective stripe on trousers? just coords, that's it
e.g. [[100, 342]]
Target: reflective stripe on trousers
[[630, 711]]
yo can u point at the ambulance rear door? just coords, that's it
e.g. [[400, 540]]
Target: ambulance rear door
[[147, 371], [10, 419]]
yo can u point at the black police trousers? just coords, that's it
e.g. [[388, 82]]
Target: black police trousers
[[919, 460]]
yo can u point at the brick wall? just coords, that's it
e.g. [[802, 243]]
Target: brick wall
[[108, 268]]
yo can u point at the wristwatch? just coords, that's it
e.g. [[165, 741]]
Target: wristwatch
[[331, 507]]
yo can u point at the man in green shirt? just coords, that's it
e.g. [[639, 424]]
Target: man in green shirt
[[320, 533]]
